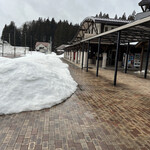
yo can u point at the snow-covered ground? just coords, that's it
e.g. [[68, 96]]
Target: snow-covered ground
[[33, 82], [141, 72]]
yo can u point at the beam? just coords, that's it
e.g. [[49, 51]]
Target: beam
[[88, 56], [99, 46], [147, 60], [117, 57], [126, 67], [82, 54]]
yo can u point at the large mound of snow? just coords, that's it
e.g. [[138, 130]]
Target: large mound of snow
[[33, 82]]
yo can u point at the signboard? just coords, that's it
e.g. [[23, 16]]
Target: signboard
[[137, 60]]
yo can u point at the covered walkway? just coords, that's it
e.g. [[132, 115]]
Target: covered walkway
[[98, 116], [137, 31]]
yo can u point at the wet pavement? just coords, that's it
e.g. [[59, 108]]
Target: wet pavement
[[98, 116]]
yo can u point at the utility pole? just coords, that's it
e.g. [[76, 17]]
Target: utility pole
[[50, 49], [9, 38], [14, 43], [25, 43], [31, 43]]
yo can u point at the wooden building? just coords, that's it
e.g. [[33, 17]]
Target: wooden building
[[105, 41], [92, 26]]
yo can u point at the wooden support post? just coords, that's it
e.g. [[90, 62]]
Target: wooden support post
[[99, 46], [147, 60], [82, 54], [88, 56], [142, 55], [117, 57], [126, 67]]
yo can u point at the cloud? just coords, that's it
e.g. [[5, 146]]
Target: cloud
[[74, 11]]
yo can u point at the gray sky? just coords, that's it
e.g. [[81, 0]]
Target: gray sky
[[74, 11]]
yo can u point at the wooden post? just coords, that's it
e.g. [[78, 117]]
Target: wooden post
[[99, 46], [82, 54], [142, 55], [126, 68], [88, 56], [147, 60], [117, 57]]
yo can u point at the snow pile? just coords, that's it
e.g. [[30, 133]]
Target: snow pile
[[143, 71], [33, 82]]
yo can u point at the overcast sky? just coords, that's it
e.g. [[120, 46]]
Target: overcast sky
[[74, 11]]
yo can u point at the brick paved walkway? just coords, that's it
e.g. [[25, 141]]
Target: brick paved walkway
[[98, 116]]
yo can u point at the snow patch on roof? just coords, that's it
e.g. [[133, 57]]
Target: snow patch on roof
[[46, 44], [96, 19]]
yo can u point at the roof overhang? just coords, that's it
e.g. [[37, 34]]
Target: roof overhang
[[144, 2], [136, 31]]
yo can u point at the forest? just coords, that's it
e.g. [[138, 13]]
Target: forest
[[41, 30]]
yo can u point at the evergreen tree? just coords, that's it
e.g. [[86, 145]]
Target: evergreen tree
[[124, 17], [100, 15], [96, 16], [40, 31], [10, 32], [116, 17], [132, 16]]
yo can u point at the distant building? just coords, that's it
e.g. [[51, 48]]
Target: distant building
[[43, 47]]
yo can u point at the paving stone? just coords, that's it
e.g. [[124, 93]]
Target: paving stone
[[98, 116]]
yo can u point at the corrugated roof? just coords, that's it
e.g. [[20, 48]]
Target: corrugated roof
[[106, 20], [97, 19]]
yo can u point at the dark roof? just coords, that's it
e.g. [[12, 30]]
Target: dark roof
[[106, 20], [144, 2]]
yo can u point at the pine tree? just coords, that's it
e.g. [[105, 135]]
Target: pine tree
[[38, 31], [132, 16], [100, 15], [116, 17], [124, 17]]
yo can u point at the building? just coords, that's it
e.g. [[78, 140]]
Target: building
[[92, 26], [107, 42], [43, 47]]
